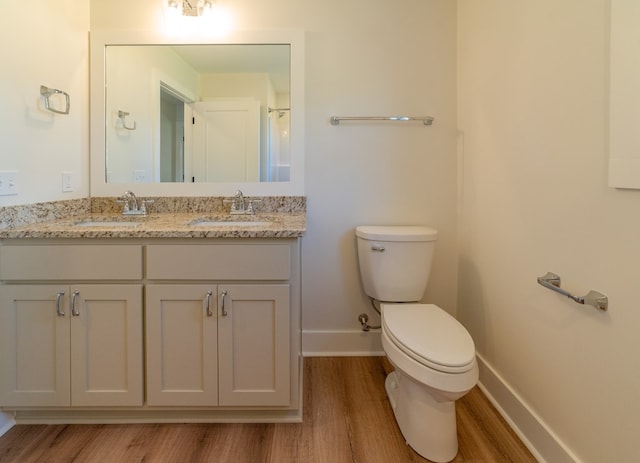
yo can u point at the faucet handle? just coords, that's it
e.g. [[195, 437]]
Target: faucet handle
[[143, 205], [251, 207]]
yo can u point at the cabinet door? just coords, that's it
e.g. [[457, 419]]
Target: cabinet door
[[254, 357], [182, 345], [106, 345], [34, 345]]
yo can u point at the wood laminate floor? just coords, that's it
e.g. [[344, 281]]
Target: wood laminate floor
[[347, 418]]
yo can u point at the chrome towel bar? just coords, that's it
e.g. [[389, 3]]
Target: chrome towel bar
[[594, 298], [426, 120]]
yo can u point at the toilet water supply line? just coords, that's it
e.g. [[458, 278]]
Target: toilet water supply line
[[363, 318]]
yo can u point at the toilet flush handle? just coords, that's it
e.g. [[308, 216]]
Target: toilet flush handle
[[377, 248]]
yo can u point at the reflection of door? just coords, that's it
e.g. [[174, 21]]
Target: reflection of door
[[226, 141], [171, 137]]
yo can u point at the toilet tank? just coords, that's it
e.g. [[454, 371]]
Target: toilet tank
[[395, 261]]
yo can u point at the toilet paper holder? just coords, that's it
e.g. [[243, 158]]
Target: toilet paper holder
[[594, 298]]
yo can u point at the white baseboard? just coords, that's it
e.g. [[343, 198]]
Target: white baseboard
[[6, 422], [356, 343], [534, 433]]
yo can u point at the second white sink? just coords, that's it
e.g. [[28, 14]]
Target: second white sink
[[225, 223], [101, 223]]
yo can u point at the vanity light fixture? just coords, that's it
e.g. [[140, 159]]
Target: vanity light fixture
[[191, 7], [192, 18]]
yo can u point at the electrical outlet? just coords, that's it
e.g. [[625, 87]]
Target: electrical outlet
[[8, 182], [67, 182]]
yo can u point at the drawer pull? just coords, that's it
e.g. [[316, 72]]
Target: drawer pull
[[59, 310], [74, 311], [208, 304], [224, 309]]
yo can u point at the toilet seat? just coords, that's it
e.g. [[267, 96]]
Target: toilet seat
[[430, 336]]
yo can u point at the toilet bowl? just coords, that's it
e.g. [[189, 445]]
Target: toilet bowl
[[432, 353], [435, 365]]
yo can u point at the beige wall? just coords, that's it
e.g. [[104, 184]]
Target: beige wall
[[533, 116], [44, 43]]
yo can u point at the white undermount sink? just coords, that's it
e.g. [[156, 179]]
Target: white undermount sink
[[106, 223], [229, 223]]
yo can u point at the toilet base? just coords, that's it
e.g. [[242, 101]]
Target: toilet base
[[427, 424]]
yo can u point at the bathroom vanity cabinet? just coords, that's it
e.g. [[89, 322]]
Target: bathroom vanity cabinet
[[246, 326], [63, 340], [156, 329], [249, 345]]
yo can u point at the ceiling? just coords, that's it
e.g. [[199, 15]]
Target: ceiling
[[242, 58]]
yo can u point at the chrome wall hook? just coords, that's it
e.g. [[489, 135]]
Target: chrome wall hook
[[122, 115]]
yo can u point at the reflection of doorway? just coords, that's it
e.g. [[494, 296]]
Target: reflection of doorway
[[279, 160], [171, 137], [226, 141]]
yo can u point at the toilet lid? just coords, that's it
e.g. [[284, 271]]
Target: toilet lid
[[396, 233], [430, 336]]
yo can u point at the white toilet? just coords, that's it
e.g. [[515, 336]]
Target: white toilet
[[433, 354]]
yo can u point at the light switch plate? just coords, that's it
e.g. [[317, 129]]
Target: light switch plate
[[8, 182], [139, 176], [67, 182]]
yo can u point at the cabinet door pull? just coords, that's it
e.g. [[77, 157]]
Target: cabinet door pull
[[74, 311], [59, 310], [224, 309], [208, 304]]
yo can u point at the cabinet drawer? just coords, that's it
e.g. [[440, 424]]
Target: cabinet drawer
[[71, 262], [219, 262]]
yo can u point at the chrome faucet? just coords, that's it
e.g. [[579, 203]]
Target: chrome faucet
[[131, 204], [237, 206], [130, 201], [241, 205]]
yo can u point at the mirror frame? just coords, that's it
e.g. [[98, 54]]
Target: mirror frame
[[100, 39]]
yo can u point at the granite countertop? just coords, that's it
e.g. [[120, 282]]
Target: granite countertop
[[165, 225]]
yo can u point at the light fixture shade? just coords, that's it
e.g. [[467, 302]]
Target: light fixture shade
[[175, 5], [191, 7]]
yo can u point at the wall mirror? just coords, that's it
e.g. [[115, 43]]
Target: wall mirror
[[195, 117]]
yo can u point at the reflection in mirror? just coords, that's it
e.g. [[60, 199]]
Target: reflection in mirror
[[202, 113], [171, 136]]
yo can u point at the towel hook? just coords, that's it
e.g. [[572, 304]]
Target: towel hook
[[122, 116]]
